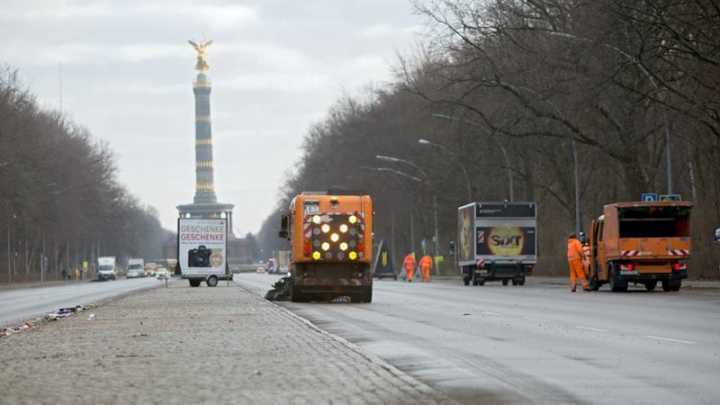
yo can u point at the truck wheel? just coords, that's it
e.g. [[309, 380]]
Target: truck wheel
[[650, 285], [506, 281], [521, 281], [297, 296], [212, 281], [481, 281], [194, 283], [615, 285], [515, 281], [671, 285], [365, 296]]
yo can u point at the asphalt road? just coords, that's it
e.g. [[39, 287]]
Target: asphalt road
[[17, 305], [538, 343]]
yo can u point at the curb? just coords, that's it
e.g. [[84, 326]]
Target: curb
[[410, 380]]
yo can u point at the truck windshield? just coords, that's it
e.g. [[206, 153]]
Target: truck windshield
[[105, 267], [135, 267], [654, 222]]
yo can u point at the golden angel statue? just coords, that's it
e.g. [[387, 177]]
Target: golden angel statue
[[202, 50]]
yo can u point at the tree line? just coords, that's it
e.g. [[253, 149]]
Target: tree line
[[60, 199], [571, 104]]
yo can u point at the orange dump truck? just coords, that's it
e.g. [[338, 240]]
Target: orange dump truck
[[331, 246], [640, 243]]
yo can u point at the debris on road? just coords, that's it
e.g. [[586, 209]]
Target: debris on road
[[16, 329], [64, 312], [91, 317], [52, 316]]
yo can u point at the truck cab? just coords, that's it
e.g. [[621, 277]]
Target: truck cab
[[331, 246], [640, 243]]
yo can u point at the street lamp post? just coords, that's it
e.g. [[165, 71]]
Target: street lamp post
[[468, 185], [425, 179], [394, 159], [503, 150], [578, 221]]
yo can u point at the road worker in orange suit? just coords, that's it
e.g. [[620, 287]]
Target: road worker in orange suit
[[409, 265], [575, 263], [425, 267]]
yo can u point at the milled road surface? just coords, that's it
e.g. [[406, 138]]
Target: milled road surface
[[538, 343], [26, 303]]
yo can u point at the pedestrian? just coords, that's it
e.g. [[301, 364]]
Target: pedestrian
[[409, 265], [575, 263], [425, 267]]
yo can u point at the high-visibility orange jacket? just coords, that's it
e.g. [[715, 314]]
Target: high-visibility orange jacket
[[426, 262], [409, 262], [574, 250]]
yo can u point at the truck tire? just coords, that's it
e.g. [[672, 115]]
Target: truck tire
[[364, 297], [615, 285], [481, 281], [650, 285], [506, 281], [521, 281], [194, 283], [515, 281], [212, 281], [297, 296], [671, 285]]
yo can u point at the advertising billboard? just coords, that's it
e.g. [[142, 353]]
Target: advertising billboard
[[466, 234], [202, 246]]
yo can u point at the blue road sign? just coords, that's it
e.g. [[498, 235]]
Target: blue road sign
[[648, 197]]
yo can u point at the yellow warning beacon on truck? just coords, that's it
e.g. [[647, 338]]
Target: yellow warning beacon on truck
[[331, 246]]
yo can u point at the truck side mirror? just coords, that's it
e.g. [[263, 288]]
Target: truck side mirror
[[717, 234], [283, 227], [451, 248]]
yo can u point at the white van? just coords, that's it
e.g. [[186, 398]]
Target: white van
[[107, 270], [136, 268]]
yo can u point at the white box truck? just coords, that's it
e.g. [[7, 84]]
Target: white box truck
[[497, 241], [202, 250], [107, 269], [136, 268]]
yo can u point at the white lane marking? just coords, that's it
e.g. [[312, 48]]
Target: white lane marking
[[490, 313], [591, 329], [666, 339]]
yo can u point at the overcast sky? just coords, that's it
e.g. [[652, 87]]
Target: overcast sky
[[276, 66]]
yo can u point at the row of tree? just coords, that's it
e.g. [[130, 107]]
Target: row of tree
[[60, 201], [537, 100]]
